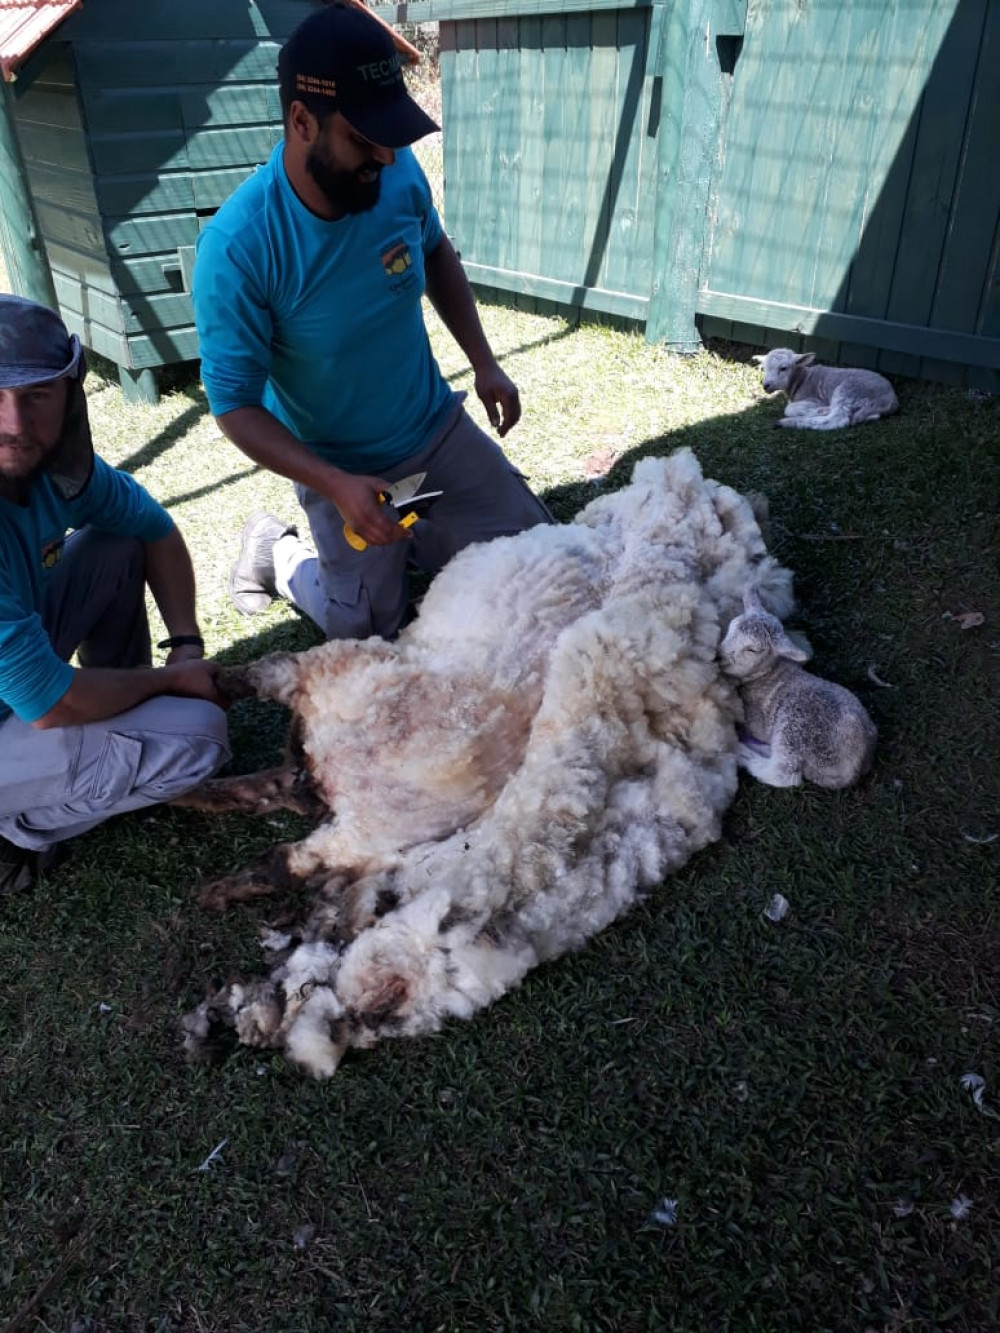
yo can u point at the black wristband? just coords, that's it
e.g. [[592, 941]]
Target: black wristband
[[181, 641]]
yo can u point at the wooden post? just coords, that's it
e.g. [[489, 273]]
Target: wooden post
[[20, 237], [690, 125]]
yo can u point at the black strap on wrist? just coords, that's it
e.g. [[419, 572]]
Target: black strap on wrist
[[182, 641]]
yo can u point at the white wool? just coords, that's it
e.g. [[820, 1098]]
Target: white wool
[[549, 740]]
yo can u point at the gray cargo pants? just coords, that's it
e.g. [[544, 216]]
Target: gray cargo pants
[[353, 594], [57, 783]]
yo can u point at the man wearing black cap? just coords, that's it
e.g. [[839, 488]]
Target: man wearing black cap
[[79, 744], [315, 356]]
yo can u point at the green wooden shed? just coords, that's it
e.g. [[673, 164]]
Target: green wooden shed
[[816, 171], [123, 128]]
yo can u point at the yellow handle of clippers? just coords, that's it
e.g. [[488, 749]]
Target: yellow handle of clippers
[[358, 542]]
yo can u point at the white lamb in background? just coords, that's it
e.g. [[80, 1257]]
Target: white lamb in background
[[795, 725], [549, 739], [825, 397]]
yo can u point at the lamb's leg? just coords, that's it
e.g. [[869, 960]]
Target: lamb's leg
[[772, 768], [830, 419], [282, 788]]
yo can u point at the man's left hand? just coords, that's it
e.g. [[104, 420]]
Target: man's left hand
[[498, 394]]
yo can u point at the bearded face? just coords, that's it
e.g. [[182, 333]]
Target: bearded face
[[31, 423], [346, 189]]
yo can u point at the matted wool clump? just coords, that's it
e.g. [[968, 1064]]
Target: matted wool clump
[[548, 740]]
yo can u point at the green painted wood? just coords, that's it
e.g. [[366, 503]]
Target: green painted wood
[[125, 277], [181, 150], [139, 387], [55, 186], [970, 265], [546, 53], [109, 110], [132, 316], [176, 63], [690, 120], [111, 20], [546, 172], [563, 293], [450, 11], [179, 190], [132, 236], [728, 18], [20, 229], [629, 182], [50, 146], [61, 226], [913, 339], [859, 178]]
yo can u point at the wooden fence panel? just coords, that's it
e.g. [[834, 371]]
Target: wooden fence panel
[[859, 194]]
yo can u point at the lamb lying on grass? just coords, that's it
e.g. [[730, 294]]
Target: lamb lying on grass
[[795, 725], [549, 739], [825, 397]]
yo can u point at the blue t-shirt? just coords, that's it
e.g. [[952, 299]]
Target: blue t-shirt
[[33, 678], [321, 322]]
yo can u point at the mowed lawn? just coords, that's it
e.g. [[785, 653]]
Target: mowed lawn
[[706, 1120]]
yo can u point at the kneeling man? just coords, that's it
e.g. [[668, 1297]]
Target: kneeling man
[[80, 744]]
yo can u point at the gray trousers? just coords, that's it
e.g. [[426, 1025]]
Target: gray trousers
[[353, 594], [57, 783]]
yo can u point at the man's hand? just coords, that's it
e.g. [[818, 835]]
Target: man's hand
[[191, 680], [359, 505], [498, 394]]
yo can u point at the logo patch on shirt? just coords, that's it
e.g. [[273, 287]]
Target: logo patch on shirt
[[52, 553], [396, 259]]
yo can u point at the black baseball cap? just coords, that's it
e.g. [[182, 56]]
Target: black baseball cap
[[345, 57]]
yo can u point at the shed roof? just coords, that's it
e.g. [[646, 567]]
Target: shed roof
[[25, 23]]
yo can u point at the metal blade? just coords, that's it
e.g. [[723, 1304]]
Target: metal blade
[[402, 492]]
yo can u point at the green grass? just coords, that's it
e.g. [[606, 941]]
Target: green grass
[[793, 1086]]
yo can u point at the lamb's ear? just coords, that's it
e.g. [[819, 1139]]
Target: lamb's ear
[[751, 600], [760, 358], [805, 359], [784, 647]]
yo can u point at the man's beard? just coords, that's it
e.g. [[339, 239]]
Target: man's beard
[[20, 479], [343, 191]]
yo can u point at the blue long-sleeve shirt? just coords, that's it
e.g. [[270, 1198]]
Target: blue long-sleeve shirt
[[33, 678]]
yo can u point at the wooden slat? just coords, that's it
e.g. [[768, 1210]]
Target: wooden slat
[[131, 237], [969, 263], [175, 63], [137, 315], [564, 293], [59, 149], [108, 110], [174, 150], [113, 21], [59, 188], [450, 11], [910, 338], [941, 116]]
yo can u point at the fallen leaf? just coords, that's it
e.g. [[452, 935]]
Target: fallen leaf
[[971, 619]]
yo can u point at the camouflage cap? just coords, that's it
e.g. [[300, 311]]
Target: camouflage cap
[[35, 346]]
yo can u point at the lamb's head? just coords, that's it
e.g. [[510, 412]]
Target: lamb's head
[[755, 641], [782, 366]]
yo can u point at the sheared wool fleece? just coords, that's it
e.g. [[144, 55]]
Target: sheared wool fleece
[[546, 742]]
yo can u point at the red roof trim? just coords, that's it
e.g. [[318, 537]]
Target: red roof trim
[[24, 24]]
